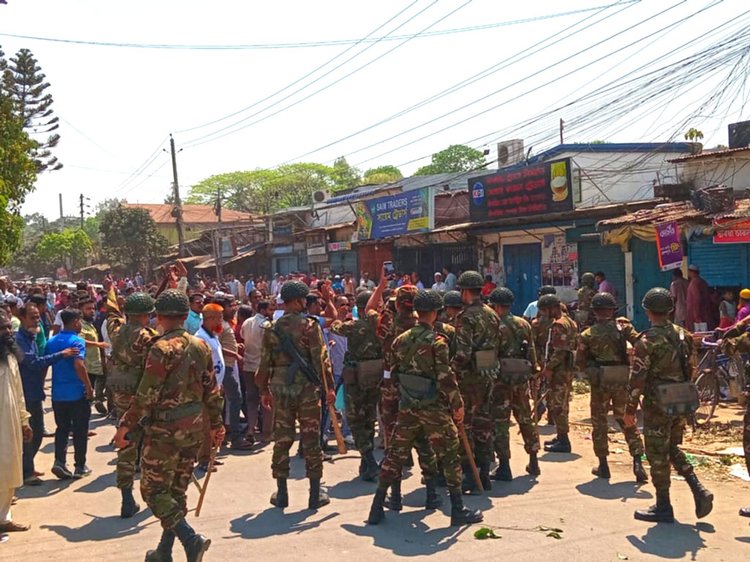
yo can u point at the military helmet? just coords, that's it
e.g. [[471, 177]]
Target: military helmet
[[547, 301], [470, 280], [453, 299], [426, 301], [138, 303], [405, 295], [546, 290], [658, 300], [172, 303], [363, 298], [602, 301], [502, 296], [588, 279], [292, 290]]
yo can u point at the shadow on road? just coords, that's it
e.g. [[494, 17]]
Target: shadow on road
[[603, 490], [350, 489], [672, 540], [49, 488], [103, 528], [559, 457], [274, 522], [519, 486], [98, 484], [405, 534]]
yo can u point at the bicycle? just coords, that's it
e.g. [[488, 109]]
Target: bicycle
[[716, 370]]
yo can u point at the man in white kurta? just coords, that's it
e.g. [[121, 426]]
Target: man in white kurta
[[14, 426]]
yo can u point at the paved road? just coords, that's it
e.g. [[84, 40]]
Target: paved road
[[79, 520]]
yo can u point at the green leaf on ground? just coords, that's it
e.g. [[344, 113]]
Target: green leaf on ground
[[485, 533]]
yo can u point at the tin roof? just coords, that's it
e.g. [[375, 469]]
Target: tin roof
[[710, 154], [683, 211]]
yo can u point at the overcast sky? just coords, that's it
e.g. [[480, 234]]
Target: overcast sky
[[118, 104]]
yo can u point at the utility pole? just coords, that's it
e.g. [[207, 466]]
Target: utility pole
[[218, 260], [82, 212], [62, 217], [177, 211], [562, 126]]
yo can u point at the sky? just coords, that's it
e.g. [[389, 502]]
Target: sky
[[273, 94]]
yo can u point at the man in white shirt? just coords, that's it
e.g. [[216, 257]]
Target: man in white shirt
[[278, 281], [252, 334], [438, 285]]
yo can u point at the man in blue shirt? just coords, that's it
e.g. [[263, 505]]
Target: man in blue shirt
[[195, 317], [71, 393], [33, 368]]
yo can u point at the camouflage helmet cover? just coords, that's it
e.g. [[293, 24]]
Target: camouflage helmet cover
[[172, 303]]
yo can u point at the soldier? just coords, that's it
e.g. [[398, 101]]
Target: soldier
[[741, 344], [603, 355], [430, 408], [131, 339], [664, 354], [453, 305], [177, 389], [584, 316], [363, 371], [476, 365], [293, 364], [558, 369], [511, 391]]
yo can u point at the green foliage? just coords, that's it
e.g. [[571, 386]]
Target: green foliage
[[72, 246], [382, 174], [344, 176], [455, 158], [693, 134], [129, 237], [486, 533]]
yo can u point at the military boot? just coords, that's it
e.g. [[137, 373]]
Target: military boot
[[638, 470], [394, 500], [533, 466], [484, 475], [704, 500], [129, 505], [371, 467], [362, 465], [317, 498], [376, 509], [562, 445], [163, 552], [459, 514], [433, 500], [469, 485], [602, 471], [503, 472], [195, 545], [745, 512], [280, 498], [659, 513], [552, 441]]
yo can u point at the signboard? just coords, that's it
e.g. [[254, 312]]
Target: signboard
[[280, 250], [339, 246], [317, 251], [669, 245], [228, 249], [317, 258], [733, 231], [531, 190], [393, 215]]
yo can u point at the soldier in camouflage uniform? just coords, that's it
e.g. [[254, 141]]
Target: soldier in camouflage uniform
[[516, 342], [663, 354], [290, 381], [362, 384], [584, 313], [605, 345], [430, 408], [131, 340], [558, 369], [177, 389], [452, 306], [476, 365]]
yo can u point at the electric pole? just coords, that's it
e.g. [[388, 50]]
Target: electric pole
[[562, 126], [81, 208], [177, 210], [217, 210], [62, 217]]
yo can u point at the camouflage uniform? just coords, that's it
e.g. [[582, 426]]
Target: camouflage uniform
[[177, 387], [584, 315], [604, 344], [477, 329], [447, 330], [514, 331], [130, 345], [299, 401], [563, 334], [741, 344]]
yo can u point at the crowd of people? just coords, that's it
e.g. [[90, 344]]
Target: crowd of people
[[189, 367]]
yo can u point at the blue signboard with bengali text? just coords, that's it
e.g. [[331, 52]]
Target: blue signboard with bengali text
[[394, 215]]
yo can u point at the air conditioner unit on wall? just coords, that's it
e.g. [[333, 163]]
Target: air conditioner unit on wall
[[321, 196], [509, 152]]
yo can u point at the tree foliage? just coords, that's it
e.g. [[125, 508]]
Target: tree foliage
[[344, 176], [693, 134], [71, 246], [382, 174], [455, 158], [129, 237]]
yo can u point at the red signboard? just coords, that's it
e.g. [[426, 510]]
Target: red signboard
[[732, 231]]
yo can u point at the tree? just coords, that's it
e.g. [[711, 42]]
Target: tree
[[344, 176], [24, 82], [71, 246], [455, 158], [129, 237], [693, 134], [382, 174]]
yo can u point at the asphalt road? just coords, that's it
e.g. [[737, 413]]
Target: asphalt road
[[79, 520]]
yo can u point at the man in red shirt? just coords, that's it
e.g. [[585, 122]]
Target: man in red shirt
[[488, 286], [698, 299]]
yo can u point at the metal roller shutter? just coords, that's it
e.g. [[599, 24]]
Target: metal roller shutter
[[593, 257], [722, 265]]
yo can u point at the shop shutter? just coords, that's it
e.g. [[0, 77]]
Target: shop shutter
[[722, 265], [593, 257], [646, 275]]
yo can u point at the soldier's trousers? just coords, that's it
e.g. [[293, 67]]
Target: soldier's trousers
[[361, 414], [663, 435], [390, 395], [127, 458], [289, 407], [433, 426], [558, 400], [166, 467], [601, 400], [515, 399], [478, 419]]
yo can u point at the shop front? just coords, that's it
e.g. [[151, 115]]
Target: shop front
[[342, 258]]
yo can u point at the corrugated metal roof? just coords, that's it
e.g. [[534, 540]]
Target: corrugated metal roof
[[681, 212], [710, 154]]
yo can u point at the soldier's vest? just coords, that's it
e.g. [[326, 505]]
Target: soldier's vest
[[611, 375], [124, 375], [366, 371], [418, 389], [177, 385], [515, 370], [673, 392]]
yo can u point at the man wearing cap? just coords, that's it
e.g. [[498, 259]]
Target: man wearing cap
[[698, 300], [439, 285], [532, 311], [743, 311]]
